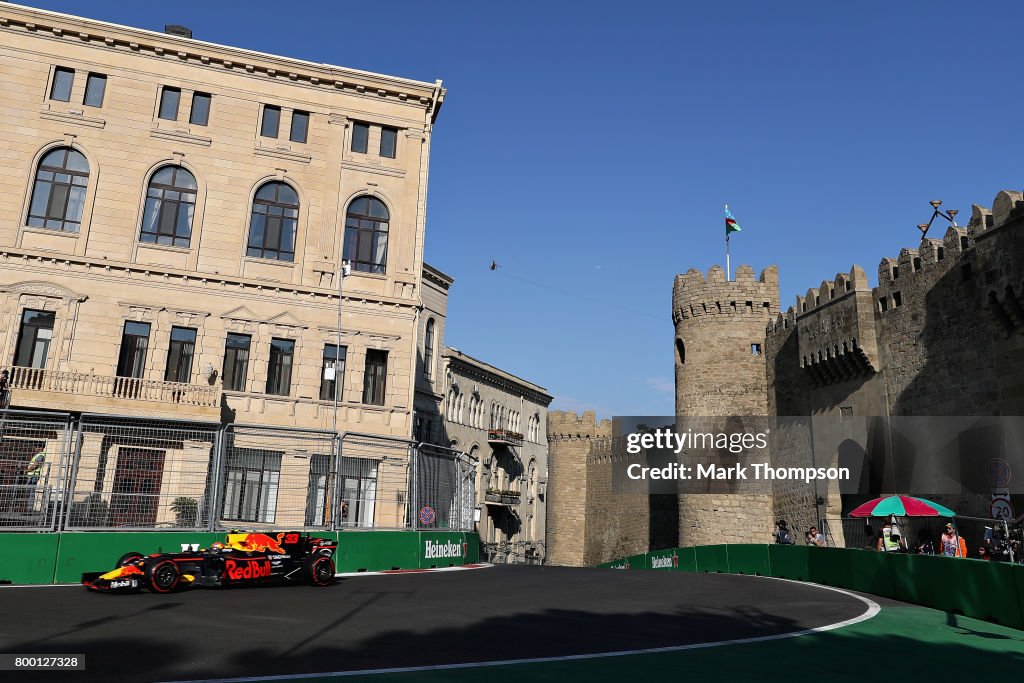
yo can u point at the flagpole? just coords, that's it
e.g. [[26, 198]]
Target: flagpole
[[728, 269]]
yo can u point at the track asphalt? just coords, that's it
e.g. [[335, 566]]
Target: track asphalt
[[404, 620]]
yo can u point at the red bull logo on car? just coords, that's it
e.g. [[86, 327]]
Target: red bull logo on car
[[247, 570], [256, 543]]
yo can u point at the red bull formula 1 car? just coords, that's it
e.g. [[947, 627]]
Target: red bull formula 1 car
[[243, 559]]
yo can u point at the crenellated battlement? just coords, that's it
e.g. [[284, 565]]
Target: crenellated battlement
[[781, 323], [930, 260], [1006, 207], [695, 295], [568, 426]]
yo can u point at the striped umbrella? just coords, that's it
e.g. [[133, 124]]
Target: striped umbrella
[[902, 506]]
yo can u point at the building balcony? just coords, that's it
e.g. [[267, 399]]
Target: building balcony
[[500, 497], [80, 391], [504, 437]]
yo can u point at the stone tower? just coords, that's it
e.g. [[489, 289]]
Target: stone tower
[[721, 373], [570, 504]]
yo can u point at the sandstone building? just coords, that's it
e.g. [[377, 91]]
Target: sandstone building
[[940, 336], [173, 220], [500, 420]]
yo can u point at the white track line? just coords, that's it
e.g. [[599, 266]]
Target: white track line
[[873, 608], [392, 572]]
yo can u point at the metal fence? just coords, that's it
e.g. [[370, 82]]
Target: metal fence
[[34, 463], [272, 477], [134, 473], [442, 489], [114, 472]]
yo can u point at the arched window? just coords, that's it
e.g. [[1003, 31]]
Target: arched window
[[58, 194], [428, 351], [275, 215], [366, 235], [170, 205]]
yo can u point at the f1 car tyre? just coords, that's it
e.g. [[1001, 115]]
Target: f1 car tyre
[[162, 576], [128, 558], [320, 570]]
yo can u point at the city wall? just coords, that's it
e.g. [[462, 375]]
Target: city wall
[[942, 334]]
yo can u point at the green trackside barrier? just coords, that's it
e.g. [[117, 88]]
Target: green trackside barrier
[[712, 558], [830, 566], [993, 591], [663, 560], [371, 551], [687, 559], [789, 561], [28, 557], [749, 559], [870, 571], [444, 548], [87, 551], [1018, 579], [36, 558]]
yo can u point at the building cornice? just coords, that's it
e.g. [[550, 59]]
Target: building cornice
[[66, 265], [100, 34], [479, 370], [437, 277]]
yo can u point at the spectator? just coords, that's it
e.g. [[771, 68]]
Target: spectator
[[869, 538], [33, 473], [984, 554], [925, 546], [783, 535], [5, 390], [815, 538], [890, 540], [953, 544]]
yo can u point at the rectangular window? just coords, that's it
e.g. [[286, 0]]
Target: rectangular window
[[271, 121], [34, 338], [755, 349], [279, 370], [897, 300], [375, 377], [360, 137], [169, 99], [200, 114], [318, 493], [333, 372], [63, 79], [252, 479], [134, 344], [428, 351], [95, 87], [179, 355], [358, 483], [236, 361], [300, 126], [388, 140]]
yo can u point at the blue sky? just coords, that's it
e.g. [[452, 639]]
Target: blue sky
[[588, 148]]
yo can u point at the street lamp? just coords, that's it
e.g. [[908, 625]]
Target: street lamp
[[949, 215], [343, 272]]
